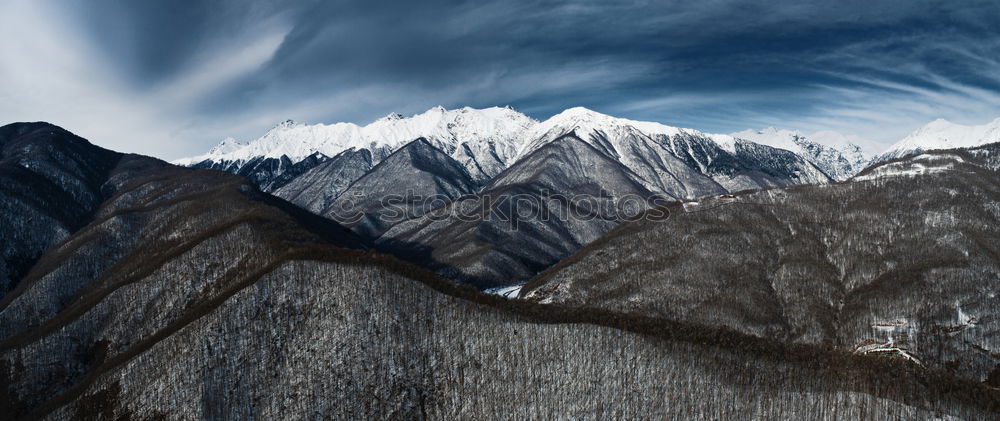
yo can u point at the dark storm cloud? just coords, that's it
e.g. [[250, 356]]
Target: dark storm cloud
[[717, 65]]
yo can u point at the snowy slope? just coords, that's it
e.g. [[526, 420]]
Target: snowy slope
[[678, 162], [839, 156], [943, 134], [586, 121], [483, 140]]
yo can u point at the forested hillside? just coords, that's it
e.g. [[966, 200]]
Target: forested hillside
[[50, 184], [902, 259]]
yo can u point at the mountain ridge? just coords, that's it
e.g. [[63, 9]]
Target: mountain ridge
[[942, 134], [484, 140]]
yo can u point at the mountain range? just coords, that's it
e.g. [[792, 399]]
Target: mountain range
[[487, 157], [648, 272]]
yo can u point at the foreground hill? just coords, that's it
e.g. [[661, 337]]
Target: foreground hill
[[50, 184], [902, 259]]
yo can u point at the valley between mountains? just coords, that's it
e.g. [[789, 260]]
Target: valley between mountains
[[480, 264]]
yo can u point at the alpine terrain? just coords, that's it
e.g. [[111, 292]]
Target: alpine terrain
[[943, 134], [839, 156], [164, 292]]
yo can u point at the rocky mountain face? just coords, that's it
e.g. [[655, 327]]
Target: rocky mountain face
[[943, 134], [269, 174], [548, 204], [836, 155], [902, 259], [676, 162], [317, 188], [190, 294], [566, 190], [407, 184]]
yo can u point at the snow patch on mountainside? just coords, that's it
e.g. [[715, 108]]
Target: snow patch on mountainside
[[919, 165], [943, 134]]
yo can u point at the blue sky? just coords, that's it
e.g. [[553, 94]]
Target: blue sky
[[171, 78]]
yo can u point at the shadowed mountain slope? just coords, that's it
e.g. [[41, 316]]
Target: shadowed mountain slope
[[268, 173], [319, 187], [413, 180], [550, 203], [166, 241]]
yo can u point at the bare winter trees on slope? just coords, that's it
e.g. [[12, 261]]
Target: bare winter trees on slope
[[167, 242], [50, 184], [904, 255], [362, 341]]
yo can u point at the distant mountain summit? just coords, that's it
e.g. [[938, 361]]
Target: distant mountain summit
[[482, 140], [943, 134], [839, 156], [678, 162]]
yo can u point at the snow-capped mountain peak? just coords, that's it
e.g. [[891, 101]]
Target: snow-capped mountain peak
[[584, 122], [391, 117], [943, 134], [489, 133], [227, 145], [838, 155], [773, 137]]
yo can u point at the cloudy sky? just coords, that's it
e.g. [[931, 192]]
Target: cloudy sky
[[171, 78]]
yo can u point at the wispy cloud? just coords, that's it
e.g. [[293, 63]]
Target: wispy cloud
[[170, 80]]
